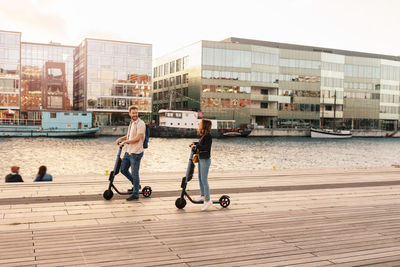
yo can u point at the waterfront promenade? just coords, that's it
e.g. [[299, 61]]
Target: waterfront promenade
[[304, 217]]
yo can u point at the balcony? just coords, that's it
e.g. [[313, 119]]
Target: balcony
[[270, 98], [264, 98], [331, 114], [263, 112]]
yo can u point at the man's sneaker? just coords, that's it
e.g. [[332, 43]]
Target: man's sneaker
[[199, 198], [206, 205], [133, 197]]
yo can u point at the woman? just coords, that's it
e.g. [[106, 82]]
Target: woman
[[203, 147], [42, 176]]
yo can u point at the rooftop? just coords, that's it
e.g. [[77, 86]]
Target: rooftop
[[309, 48]]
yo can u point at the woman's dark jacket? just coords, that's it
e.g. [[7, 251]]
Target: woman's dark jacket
[[204, 146]]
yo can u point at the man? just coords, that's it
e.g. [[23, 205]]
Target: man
[[14, 177], [134, 152]]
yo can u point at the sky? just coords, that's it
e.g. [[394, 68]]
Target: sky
[[360, 25]]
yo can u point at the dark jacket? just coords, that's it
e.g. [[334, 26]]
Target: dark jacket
[[204, 146], [13, 178]]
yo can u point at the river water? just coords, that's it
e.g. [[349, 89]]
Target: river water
[[94, 156]]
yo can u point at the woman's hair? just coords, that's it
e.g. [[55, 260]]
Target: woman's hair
[[42, 172], [206, 127]]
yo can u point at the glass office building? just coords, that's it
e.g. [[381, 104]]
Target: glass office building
[[109, 76], [269, 84], [46, 78], [10, 74]]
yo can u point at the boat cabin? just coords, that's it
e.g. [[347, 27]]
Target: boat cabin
[[66, 120], [189, 120]]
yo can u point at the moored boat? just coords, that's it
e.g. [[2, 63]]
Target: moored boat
[[326, 132], [330, 133], [52, 124], [184, 124]]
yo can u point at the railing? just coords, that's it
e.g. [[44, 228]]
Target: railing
[[13, 122]]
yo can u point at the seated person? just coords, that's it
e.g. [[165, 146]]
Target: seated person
[[14, 177], [42, 176]]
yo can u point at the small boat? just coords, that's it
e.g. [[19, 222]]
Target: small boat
[[51, 124], [184, 124], [236, 132], [330, 133]]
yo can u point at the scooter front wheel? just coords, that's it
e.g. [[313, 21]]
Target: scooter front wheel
[[108, 194], [224, 201], [180, 203], [146, 191]]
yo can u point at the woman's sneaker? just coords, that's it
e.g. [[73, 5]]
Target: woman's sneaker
[[206, 205], [199, 198]]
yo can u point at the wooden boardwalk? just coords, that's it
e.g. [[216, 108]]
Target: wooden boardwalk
[[325, 226]]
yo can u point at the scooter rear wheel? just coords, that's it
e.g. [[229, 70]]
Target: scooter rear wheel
[[108, 194], [146, 191], [224, 201], [180, 203]]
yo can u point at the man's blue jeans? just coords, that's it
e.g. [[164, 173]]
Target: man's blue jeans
[[132, 161], [204, 166]]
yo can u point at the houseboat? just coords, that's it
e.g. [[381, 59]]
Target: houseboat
[[184, 123], [51, 124]]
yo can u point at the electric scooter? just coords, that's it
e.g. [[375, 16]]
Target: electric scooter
[[180, 202], [108, 194]]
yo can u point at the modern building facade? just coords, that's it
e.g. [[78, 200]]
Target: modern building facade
[[10, 73], [46, 78], [269, 84], [109, 76], [101, 76]]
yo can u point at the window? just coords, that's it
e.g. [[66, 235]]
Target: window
[[185, 78], [264, 91], [166, 68], [172, 81], [54, 73], [53, 115], [66, 114], [185, 63], [178, 64], [264, 105], [178, 80]]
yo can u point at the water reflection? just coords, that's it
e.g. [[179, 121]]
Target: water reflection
[[83, 156]]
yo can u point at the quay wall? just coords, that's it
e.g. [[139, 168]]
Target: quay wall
[[274, 132], [112, 130], [268, 132]]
